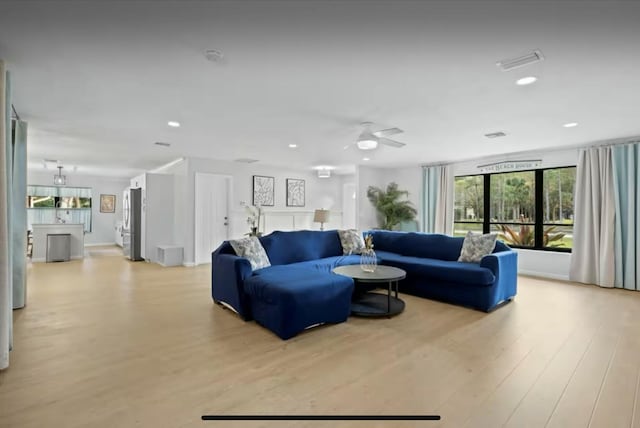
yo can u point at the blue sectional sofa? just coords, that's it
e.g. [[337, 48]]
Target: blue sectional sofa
[[299, 289]]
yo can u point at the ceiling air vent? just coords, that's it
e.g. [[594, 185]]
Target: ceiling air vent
[[159, 143], [521, 61], [246, 160], [495, 134]]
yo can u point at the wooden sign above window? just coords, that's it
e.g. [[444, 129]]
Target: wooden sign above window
[[505, 166]]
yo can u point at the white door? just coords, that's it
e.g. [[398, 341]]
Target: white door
[[211, 214], [349, 206]]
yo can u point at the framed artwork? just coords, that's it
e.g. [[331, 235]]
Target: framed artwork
[[107, 203], [295, 192], [263, 191]]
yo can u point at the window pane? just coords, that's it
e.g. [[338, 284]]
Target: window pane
[[73, 202], [521, 235], [557, 195], [469, 198], [461, 229], [513, 197], [556, 236], [40, 201]]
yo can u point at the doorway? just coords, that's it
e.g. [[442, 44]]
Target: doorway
[[212, 193]]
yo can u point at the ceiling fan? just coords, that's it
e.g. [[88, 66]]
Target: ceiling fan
[[369, 139]]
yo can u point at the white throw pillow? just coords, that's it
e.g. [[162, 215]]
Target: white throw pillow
[[351, 240], [475, 247], [251, 248]]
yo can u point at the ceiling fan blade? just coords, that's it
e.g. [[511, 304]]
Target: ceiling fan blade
[[390, 142], [388, 132]]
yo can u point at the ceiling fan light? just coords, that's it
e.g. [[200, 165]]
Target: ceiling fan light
[[367, 144]]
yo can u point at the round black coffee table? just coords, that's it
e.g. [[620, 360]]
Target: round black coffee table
[[375, 304]]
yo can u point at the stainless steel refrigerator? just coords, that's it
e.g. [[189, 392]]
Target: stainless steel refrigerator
[[132, 223]]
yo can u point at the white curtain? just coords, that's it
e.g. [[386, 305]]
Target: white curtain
[[6, 304], [592, 258], [437, 199], [19, 213]]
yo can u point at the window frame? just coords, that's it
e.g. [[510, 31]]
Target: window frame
[[538, 222]]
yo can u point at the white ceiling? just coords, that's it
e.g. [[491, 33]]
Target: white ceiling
[[98, 81]]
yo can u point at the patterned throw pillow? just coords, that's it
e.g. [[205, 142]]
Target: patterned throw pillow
[[475, 247], [351, 240], [251, 248]]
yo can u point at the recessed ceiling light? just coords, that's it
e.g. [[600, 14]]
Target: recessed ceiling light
[[293, 146], [173, 124], [526, 80], [570, 124], [365, 159]]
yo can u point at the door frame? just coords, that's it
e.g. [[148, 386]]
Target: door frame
[[195, 211]]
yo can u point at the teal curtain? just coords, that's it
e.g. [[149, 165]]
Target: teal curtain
[[6, 284], [19, 213], [430, 190], [626, 162]]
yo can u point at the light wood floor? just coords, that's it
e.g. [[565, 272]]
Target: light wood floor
[[105, 342]]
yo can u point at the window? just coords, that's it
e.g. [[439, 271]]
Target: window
[[469, 204], [527, 209], [49, 204]]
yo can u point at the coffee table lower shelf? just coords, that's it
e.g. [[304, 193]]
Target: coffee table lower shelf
[[376, 305]]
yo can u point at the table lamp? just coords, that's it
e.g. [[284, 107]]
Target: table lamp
[[321, 216]]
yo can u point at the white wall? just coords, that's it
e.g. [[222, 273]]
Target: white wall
[[366, 213], [407, 178], [348, 186], [550, 159], [319, 193], [103, 228]]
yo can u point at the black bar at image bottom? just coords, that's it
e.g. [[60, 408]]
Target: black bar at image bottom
[[321, 418]]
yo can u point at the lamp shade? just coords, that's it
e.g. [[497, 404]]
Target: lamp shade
[[321, 216]]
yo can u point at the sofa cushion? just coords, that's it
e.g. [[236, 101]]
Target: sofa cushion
[[475, 247], [443, 270], [301, 245], [327, 265], [387, 240], [351, 240], [414, 244], [251, 249], [297, 284], [431, 246]]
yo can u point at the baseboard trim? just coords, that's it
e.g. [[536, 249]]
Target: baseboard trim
[[44, 259], [543, 275], [188, 264], [100, 244]]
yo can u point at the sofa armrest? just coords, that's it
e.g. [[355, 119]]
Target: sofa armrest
[[503, 261], [504, 265], [228, 273]]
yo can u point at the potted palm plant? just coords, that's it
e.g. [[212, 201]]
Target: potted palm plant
[[392, 208]]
